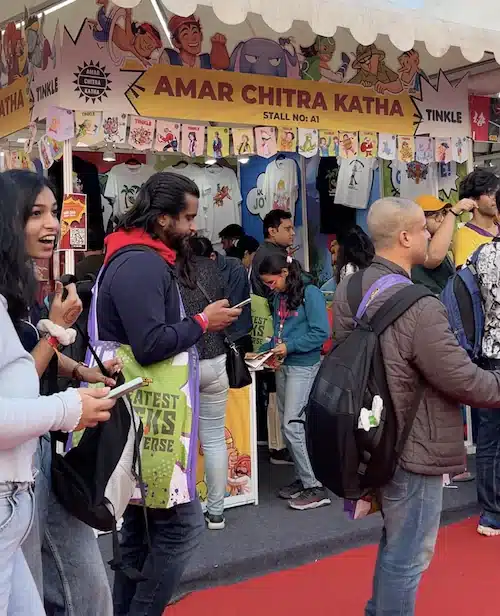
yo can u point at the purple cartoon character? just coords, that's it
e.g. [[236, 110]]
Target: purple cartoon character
[[262, 56]]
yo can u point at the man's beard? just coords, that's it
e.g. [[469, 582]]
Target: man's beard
[[175, 240]]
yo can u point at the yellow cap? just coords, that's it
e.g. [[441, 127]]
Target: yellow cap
[[429, 203]]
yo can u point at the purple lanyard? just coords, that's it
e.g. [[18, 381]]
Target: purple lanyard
[[379, 286]]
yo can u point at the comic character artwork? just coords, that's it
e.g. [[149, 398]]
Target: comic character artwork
[[217, 145], [373, 72], [221, 194], [39, 48], [417, 172], [281, 197], [245, 147], [315, 61], [239, 468], [124, 37], [367, 147], [187, 37], [410, 73], [356, 168], [261, 56], [14, 49]]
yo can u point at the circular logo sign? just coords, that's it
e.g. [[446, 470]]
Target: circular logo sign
[[92, 81]]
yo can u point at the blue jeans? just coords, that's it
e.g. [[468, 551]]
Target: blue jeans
[[18, 592], [293, 386], [175, 535], [411, 508], [63, 553], [214, 388], [488, 463]]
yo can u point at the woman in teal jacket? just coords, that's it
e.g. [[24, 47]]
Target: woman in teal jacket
[[300, 328]]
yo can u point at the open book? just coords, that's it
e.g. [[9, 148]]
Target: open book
[[257, 361]]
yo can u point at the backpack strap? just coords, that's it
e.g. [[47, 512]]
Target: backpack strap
[[355, 291], [397, 305]]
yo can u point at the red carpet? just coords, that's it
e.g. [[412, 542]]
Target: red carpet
[[464, 579]]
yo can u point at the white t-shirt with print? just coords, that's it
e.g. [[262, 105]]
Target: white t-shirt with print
[[418, 180], [281, 186], [124, 182], [203, 220], [354, 182]]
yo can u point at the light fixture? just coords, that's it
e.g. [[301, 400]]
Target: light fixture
[[161, 18], [210, 161], [243, 160], [58, 5], [22, 140], [109, 155], [80, 144]]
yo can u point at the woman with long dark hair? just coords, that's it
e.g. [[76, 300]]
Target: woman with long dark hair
[[300, 328], [56, 536], [355, 252], [24, 414]]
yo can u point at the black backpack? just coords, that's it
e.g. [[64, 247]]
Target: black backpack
[[350, 461]]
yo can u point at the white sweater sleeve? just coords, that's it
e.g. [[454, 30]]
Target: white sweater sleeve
[[24, 414]]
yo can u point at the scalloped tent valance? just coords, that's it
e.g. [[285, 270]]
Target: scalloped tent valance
[[438, 23]]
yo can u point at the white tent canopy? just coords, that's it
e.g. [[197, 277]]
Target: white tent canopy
[[438, 23]]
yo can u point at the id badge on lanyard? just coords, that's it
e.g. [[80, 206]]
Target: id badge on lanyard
[[282, 314]]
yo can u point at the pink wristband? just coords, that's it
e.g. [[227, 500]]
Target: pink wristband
[[202, 321]]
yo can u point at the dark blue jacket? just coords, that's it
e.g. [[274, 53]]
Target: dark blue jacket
[[237, 289], [139, 305]]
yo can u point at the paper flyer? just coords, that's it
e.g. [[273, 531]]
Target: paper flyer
[[73, 234]]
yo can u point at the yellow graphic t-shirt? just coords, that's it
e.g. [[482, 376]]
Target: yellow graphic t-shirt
[[468, 239]]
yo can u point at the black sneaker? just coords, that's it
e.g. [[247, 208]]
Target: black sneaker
[[291, 491], [311, 498], [281, 457], [215, 522]]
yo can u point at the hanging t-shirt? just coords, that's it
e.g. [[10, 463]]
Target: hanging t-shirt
[[222, 197], [124, 182], [418, 179], [281, 186], [334, 218], [354, 183], [204, 218]]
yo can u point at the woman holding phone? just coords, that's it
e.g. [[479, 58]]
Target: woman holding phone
[[300, 328]]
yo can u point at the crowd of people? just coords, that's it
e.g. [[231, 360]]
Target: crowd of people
[[163, 291]]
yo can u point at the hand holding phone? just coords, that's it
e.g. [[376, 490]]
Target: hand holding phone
[[245, 302], [127, 388]]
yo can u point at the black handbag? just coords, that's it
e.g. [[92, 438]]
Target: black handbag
[[237, 370]]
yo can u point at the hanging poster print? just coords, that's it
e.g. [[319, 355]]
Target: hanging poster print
[[55, 147], [60, 124], [308, 142], [243, 141], [443, 150], [218, 141], [114, 128], [349, 145], [387, 146], [265, 136], [328, 144], [406, 148], [424, 150], [73, 234], [168, 136], [45, 154], [142, 132], [287, 139], [88, 125], [193, 140], [28, 146], [459, 149], [367, 144]]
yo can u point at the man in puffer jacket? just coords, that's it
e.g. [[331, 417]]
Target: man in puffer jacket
[[419, 350]]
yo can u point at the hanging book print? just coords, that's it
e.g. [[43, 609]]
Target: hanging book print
[[88, 125], [406, 149], [265, 136], [218, 142], [243, 141], [141, 133], [193, 140], [349, 145], [115, 128], [459, 149], [308, 142], [424, 150], [168, 136], [328, 144], [387, 146], [287, 139], [443, 150], [367, 144]]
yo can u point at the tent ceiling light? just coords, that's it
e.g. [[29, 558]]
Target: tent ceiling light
[[210, 161]]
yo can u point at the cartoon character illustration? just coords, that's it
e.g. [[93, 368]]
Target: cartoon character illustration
[[367, 146], [111, 128], [221, 194], [130, 193], [425, 152], [39, 49], [15, 53], [410, 73], [348, 146], [192, 144], [286, 142], [315, 61], [324, 146], [386, 148], [373, 72], [417, 172], [261, 56], [239, 468], [459, 146], [85, 128], [115, 27], [442, 151], [406, 152], [281, 197], [187, 37], [309, 145], [244, 147], [356, 168], [217, 145], [265, 143], [169, 141]]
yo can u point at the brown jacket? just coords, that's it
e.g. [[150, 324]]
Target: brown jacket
[[421, 346]]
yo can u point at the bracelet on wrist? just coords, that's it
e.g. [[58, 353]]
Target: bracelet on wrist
[[53, 342], [455, 214], [75, 374]]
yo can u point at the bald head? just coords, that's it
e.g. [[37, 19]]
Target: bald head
[[388, 218]]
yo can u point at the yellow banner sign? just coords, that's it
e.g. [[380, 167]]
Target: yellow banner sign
[[14, 107], [220, 96]]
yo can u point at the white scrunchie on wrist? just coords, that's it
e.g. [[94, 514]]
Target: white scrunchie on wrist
[[64, 336]]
